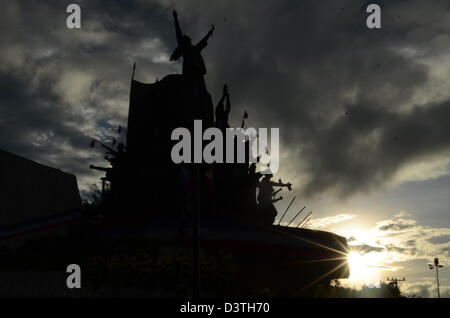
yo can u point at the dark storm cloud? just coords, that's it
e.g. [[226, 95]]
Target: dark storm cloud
[[398, 224], [407, 251], [43, 115], [31, 125], [396, 227], [445, 251], [334, 87], [364, 249], [407, 239], [348, 144], [440, 239], [311, 68]]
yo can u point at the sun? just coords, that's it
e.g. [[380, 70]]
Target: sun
[[367, 267], [364, 269], [357, 265]]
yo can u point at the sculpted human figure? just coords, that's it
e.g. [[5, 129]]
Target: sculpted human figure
[[193, 65], [265, 197]]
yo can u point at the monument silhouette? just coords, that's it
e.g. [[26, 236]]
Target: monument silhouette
[[142, 172], [146, 187]]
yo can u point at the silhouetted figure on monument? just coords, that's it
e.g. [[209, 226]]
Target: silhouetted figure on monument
[[222, 111], [249, 186], [193, 65], [265, 198]]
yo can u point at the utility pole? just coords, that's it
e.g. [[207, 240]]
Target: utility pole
[[393, 282], [437, 266]]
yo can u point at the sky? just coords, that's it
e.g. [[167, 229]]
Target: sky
[[364, 114]]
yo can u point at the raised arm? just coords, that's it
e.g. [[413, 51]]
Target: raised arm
[[177, 27], [222, 99], [281, 184], [219, 106], [204, 42]]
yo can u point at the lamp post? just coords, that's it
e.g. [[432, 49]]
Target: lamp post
[[437, 266]]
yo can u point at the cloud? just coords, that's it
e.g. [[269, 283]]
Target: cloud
[[424, 290], [61, 87], [322, 223], [364, 249], [397, 226], [440, 240], [402, 239], [403, 246]]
